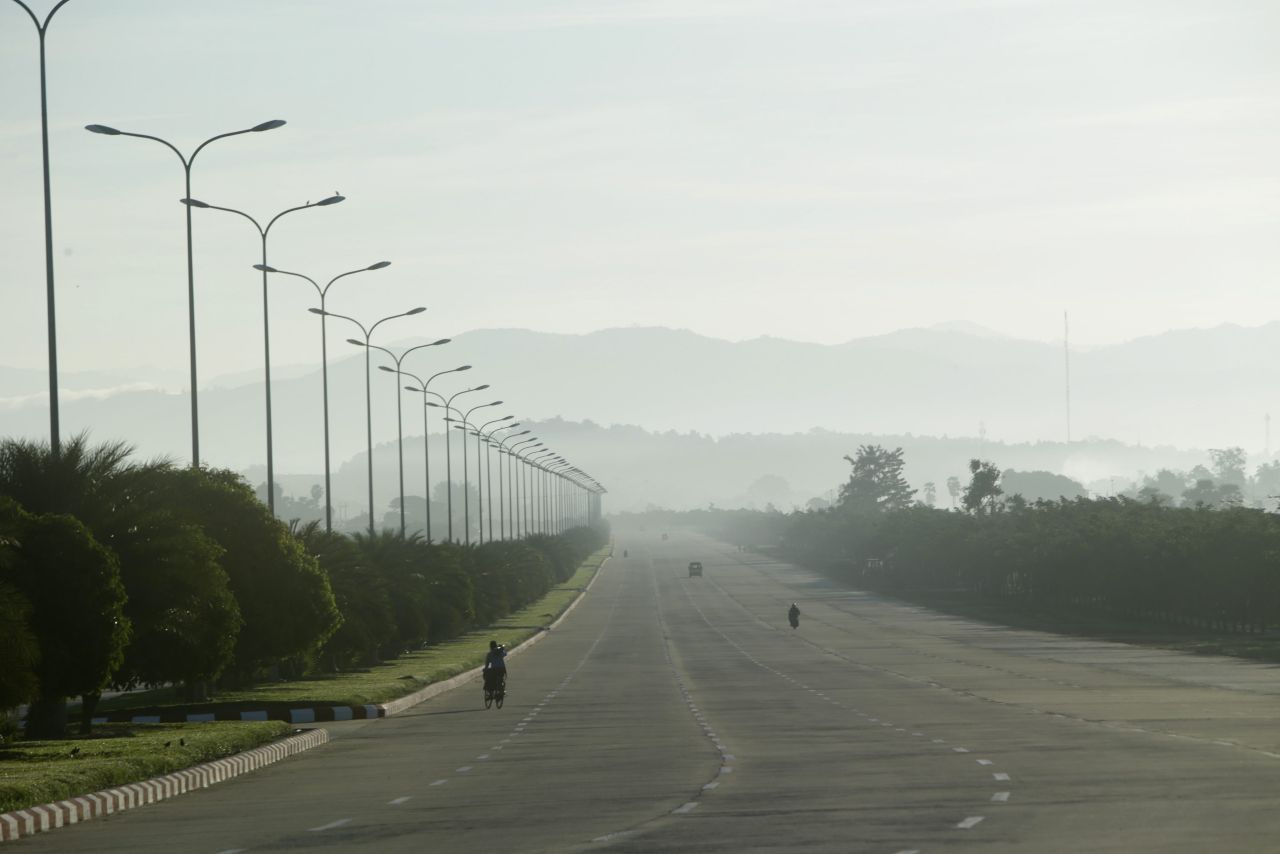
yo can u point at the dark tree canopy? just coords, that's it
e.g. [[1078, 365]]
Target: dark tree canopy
[[77, 610], [876, 483], [983, 491], [1041, 485], [285, 600]]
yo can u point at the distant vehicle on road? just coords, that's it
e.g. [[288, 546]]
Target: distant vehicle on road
[[695, 568]]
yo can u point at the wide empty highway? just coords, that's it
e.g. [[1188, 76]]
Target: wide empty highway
[[670, 713]]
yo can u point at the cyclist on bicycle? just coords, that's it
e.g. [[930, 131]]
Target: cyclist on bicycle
[[495, 666]]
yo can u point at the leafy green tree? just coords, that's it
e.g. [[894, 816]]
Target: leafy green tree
[[180, 605], [77, 610], [361, 593], [983, 491], [1229, 466], [876, 483], [930, 494], [953, 489], [19, 653], [284, 597]]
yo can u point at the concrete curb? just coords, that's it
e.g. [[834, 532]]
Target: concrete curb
[[32, 820], [397, 706]]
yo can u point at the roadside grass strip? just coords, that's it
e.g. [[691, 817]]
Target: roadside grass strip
[[43, 783], [358, 693]]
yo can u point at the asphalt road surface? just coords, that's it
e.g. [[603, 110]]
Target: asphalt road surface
[[685, 715]]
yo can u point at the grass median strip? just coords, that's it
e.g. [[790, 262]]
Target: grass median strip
[[390, 679], [41, 772]]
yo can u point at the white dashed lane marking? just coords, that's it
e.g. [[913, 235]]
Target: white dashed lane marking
[[985, 762], [970, 822], [331, 825], [1000, 797], [439, 782], [1000, 775], [398, 801], [689, 807]]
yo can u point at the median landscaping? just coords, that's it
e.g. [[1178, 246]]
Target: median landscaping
[[46, 771], [359, 688]]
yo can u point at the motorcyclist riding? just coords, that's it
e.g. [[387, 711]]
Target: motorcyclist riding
[[495, 666], [793, 616]]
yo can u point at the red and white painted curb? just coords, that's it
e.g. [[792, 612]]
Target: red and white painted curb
[[33, 820]]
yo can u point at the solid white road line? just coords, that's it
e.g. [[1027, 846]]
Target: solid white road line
[[970, 822], [331, 825], [689, 807]]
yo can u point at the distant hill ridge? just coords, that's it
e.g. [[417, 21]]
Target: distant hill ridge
[[1203, 388]]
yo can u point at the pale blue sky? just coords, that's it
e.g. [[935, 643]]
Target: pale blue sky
[[799, 168]]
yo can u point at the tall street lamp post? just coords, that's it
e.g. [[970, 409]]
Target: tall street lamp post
[[368, 394], [490, 443], [187, 163], [513, 477], [324, 365], [487, 483], [263, 233], [399, 418], [423, 388], [42, 28], [447, 406], [465, 422]]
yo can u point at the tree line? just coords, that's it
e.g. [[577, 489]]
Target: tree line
[[117, 574], [1208, 564]]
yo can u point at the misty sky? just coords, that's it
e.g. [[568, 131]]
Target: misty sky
[[810, 169]]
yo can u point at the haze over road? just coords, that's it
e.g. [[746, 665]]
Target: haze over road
[[677, 714]]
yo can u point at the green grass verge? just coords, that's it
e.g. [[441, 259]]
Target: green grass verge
[[40, 772], [391, 679]]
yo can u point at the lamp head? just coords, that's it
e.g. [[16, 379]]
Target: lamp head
[[194, 203], [387, 369], [379, 265], [103, 129], [418, 310], [354, 341], [319, 311], [494, 403], [462, 368], [411, 388], [331, 200], [271, 125], [481, 387], [265, 268], [441, 341], [506, 418]]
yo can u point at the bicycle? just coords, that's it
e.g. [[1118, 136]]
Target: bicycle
[[495, 694]]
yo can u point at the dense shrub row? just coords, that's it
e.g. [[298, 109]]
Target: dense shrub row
[[117, 574], [1210, 567]]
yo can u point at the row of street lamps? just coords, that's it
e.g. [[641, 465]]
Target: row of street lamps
[[572, 497]]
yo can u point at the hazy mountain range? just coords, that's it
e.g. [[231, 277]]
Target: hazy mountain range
[[1195, 388]]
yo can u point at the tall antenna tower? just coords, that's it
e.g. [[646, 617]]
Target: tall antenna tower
[[1066, 362]]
